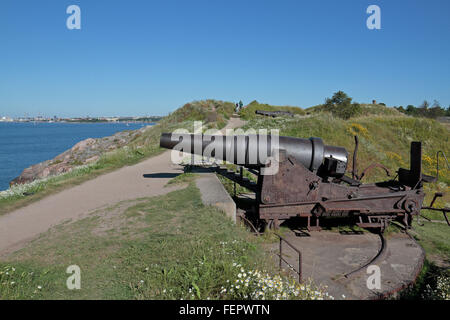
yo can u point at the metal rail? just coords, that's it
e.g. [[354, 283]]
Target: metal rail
[[443, 210], [280, 255], [373, 260], [257, 233]]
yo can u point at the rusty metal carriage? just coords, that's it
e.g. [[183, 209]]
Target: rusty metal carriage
[[310, 180]]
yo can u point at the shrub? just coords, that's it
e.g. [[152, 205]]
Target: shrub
[[341, 106]]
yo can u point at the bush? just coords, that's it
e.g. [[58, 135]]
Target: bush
[[424, 110], [341, 106]]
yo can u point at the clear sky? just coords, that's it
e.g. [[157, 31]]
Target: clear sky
[[150, 57]]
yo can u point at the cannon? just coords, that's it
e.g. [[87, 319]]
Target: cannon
[[254, 150], [274, 114], [310, 179]]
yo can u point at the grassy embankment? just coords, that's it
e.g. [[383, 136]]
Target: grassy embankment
[[248, 112], [385, 137], [167, 247], [213, 113]]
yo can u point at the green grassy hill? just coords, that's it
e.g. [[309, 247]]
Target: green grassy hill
[[248, 112], [366, 109], [213, 112]]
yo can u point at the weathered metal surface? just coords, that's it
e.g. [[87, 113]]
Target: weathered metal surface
[[297, 270], [254, 151], [310, 181], [443, 210], [327, 257]]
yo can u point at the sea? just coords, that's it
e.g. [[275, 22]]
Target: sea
[[23, 144]]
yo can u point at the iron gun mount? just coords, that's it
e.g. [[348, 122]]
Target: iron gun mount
[[310, 180]]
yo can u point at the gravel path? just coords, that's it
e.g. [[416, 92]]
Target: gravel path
[[145, 179]]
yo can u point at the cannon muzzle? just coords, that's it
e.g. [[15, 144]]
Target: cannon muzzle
[[254, 150]]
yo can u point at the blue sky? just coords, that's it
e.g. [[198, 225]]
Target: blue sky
[[150, 57]]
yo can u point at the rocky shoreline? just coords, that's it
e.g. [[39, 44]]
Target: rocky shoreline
[[84, 152]]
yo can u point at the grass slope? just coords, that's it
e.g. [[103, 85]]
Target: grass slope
[[366, 109], [384, 139], [248, 112], [167, 247], [212, 112]]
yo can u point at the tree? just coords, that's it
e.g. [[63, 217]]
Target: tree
[[339, 98], [401, 109], [340, 105], [411, 110], [436, 104], [435, 112], [424, 110], [425, 104]]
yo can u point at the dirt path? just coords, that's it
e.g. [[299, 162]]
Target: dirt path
[[144, 179]]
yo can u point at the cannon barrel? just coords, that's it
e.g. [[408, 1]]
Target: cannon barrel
[[253, 150]]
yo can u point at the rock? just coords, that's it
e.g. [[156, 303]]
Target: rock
[[32, 173], [45, 173], [82, 145], [92, 159]]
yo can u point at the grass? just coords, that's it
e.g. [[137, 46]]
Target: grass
[[186, 177], [435, 239], [164, 241], [166, 247], [248, 112], [433, 283], [366, 109], [231, 186], [386, 140], [212, 112]]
